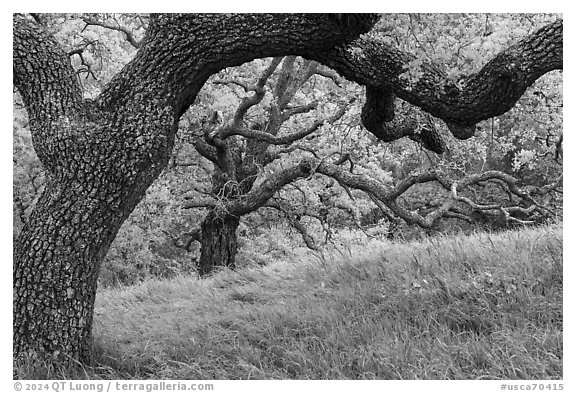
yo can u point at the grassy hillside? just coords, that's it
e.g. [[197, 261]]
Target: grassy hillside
[[485, 306]]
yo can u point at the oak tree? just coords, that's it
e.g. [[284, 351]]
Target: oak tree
[[101, 154]]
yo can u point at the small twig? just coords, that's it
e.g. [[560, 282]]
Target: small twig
[[129, 34]]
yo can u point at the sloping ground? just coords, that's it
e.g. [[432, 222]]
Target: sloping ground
[[483, 306]]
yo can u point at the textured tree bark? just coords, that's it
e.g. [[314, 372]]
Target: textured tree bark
[[219, 241], [461, 103], [378, 118], [99, 164], [100, 156], [56, 264], [236, 167]]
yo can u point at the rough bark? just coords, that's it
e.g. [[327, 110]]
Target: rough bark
[[461, 103], [101, 156], [219, 241], [378, 118], [236, 168], [94, 181]]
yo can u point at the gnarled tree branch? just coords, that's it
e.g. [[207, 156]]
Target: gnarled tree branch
[[461, 103]]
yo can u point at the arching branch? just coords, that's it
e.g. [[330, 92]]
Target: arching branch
[[262, 192], [461, 103], [193, 45]]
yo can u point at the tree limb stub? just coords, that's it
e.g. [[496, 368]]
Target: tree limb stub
[[183, 50], [378, 117]]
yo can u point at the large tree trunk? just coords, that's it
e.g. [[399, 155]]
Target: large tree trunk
[[99, 162], [100, 156], [91, 190], [219, 242], [56, 264]]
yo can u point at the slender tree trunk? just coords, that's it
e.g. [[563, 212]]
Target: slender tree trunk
[[219, 242]]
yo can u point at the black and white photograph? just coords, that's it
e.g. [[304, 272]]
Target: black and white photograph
[[218, 197]]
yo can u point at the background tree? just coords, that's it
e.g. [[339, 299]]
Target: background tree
[[241, 149], [482, 197], [100, 155]]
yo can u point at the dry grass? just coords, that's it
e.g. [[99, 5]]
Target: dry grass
[[486, 306]]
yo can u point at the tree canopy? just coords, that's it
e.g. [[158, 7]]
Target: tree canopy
[[102, 148]]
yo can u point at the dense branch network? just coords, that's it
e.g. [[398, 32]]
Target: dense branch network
[[101, 155], [114, 24], [216, 144], [388, 196], [240, 164]]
